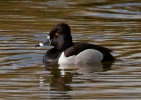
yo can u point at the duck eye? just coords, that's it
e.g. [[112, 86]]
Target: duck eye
[[56, 34]]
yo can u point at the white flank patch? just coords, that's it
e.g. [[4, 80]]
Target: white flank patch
[[84, 57], [41, 44]]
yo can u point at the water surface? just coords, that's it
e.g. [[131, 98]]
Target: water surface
[[112, 24]]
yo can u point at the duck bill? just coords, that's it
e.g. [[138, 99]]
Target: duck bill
[[44, 43]]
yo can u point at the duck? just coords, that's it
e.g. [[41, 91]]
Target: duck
[[65, 51]]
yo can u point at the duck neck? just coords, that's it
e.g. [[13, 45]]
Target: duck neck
[[65, 46]]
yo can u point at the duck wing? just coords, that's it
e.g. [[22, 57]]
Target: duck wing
[[80, 46]]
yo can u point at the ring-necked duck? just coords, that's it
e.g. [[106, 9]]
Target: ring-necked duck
[[66, 51]]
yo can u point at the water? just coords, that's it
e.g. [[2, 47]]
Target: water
[[113, 24]]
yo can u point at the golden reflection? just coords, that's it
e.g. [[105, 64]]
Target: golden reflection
[[112, 24]]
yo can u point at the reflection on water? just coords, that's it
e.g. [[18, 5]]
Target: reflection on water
[[113, 24], [62, 77]]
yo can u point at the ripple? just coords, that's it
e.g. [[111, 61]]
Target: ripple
[[121, 5], [107, 15], [118, 11]]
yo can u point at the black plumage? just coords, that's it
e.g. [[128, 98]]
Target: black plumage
[[60, 37]]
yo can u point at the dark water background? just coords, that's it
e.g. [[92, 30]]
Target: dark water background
[[115, 24]]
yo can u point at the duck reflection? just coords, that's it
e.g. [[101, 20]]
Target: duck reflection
[[61, 76]]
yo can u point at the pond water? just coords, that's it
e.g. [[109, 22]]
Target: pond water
[[112, 24]]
